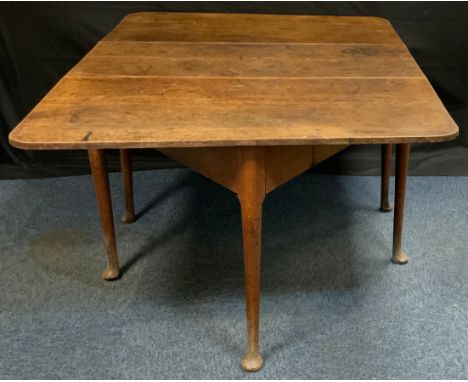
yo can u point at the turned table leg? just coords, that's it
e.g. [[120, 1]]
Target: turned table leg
[[386, 165], [251, 198], [127, 177], [251, 172], [401, 172], [101, 183]]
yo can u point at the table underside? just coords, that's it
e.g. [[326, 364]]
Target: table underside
[[224, 165]]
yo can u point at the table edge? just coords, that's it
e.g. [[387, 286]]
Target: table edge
[[28, 145]]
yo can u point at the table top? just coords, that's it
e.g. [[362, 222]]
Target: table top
[[197, 79]]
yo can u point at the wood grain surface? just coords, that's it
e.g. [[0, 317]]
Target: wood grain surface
[[202, 80]]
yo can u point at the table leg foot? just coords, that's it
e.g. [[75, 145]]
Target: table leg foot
[[385, 208], [127, 177], [101, 183], [252, 362], [402, 159], [400, 258], [111, 273], [128, 217], [386, 164]]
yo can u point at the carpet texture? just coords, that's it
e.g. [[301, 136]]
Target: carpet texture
[[333, 305]]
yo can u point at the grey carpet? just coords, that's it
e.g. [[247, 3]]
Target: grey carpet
[[333, 306]]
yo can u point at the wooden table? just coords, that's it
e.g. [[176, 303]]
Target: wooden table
[[249, 101]]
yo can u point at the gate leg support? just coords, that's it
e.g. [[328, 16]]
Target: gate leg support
[[101, 183], [386, 167], [127, 177], [402, 159]]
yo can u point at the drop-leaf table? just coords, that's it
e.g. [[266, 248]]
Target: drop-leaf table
[[250, 101]]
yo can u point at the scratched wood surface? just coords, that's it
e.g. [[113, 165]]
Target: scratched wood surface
[[201, 80]]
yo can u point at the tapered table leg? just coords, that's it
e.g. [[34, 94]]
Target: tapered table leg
[[251, 199], [402, 158], [127, 177], [101, 183], [386, 165]]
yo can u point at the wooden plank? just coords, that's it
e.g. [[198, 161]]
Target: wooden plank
[[220, 164], [200, 27], [284, 163], [242, 61], [247, 51], [322, 152], [166, 91], [189, 18], [126, 125], [224, 164]]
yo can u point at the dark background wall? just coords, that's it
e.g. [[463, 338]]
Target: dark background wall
[[40, 42]]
